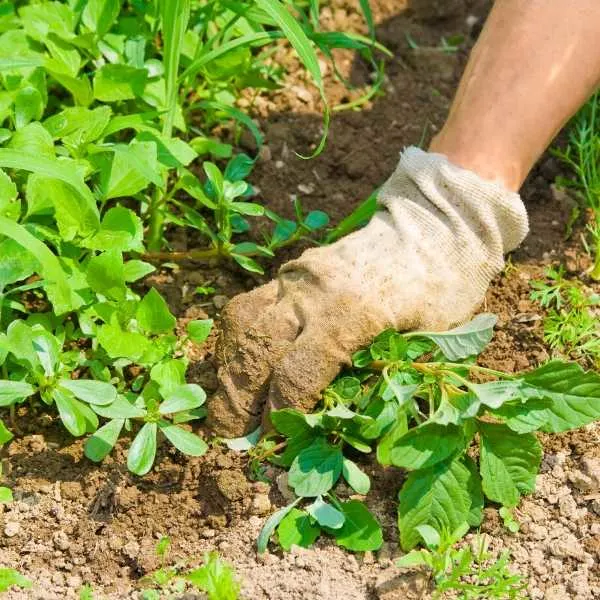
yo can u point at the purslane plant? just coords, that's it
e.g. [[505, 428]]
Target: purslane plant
[[420, 402]]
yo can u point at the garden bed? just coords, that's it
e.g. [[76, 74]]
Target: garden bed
[[76, 522]]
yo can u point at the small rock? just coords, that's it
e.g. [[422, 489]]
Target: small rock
[[74, 582], [12, 528], [61, 541], [207, 533], [279, 164], [261, 505], [591, 466], [220, 301], [556, 592], [264, 154], [131, 549], [232, 484], [302, 93], [567, 506], [58, 578], [567, 546], [306, 188]]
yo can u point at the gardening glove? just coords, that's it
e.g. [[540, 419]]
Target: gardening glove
[[424, 262]]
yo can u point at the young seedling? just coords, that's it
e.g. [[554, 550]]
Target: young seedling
[[215, 577], [421, 403], [571, 326], [468, 573]]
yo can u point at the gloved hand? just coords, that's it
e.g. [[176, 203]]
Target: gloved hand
[[423, 262]]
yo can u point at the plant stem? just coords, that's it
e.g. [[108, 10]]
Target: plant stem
[[199, 255], [595, 272]]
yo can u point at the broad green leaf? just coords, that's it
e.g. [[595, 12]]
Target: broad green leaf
[[32, 140], [6, 495], [248, 263], [10, 205], [199, 330], [137, 269], [56, 284], [73, 217], [509, 463], [297, 528], [99, 15], [65, 58], [100, 444], [525, 417], [153, 314], [142, 451], [90, 391], [389, 439], [245, 443], [122, 344], [360, 532], [171, 152], [183, 397], [239, 167], [121, 408], [114, 83], [356, 479], [415, 558], [105, 275], [47, 349], [169, 374], [128, 169], [289, 422], [185, 441], [316, 219], [14, 391], [429, 535], [121, 229], [316, 469], [216, 578], [271, 524], [426, 445], [77, 126], [5, 434], [70, 412], [466, 340], [215, 177], [11, 577], [248, 208], [437, 496], [16, 263], [41, 19], [325, 514], [575, 394]]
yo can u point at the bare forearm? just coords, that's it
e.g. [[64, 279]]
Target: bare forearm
[[535, 63]]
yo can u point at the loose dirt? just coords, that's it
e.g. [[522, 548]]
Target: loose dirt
[[75, 522]]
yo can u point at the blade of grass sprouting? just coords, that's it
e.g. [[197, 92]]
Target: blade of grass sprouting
[[135, 121], [174, 16], [254, 39], [50, 267], [357, 218], [366, 9], [300, 42], [314, 13], [234, 113], [49, 167]]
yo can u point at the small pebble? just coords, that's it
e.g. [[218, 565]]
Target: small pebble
[[12, 528], [220, 301]]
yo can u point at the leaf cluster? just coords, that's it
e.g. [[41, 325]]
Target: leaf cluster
[[571, 325], [418, 402]]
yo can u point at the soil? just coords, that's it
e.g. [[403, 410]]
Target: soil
[[74, 522]]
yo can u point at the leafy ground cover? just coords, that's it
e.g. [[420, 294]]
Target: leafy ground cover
[[98, 523]]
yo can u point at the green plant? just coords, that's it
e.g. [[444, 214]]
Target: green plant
[[582, 155], [215, 577], [413, 400], [10, 578], [571, 325], [470, 574], [108, 113]]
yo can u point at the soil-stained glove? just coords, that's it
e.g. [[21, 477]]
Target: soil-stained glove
[[423, 262]]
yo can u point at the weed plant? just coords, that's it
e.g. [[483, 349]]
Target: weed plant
[[464, 433], [571, 326], [582, 155], [107, 110]]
